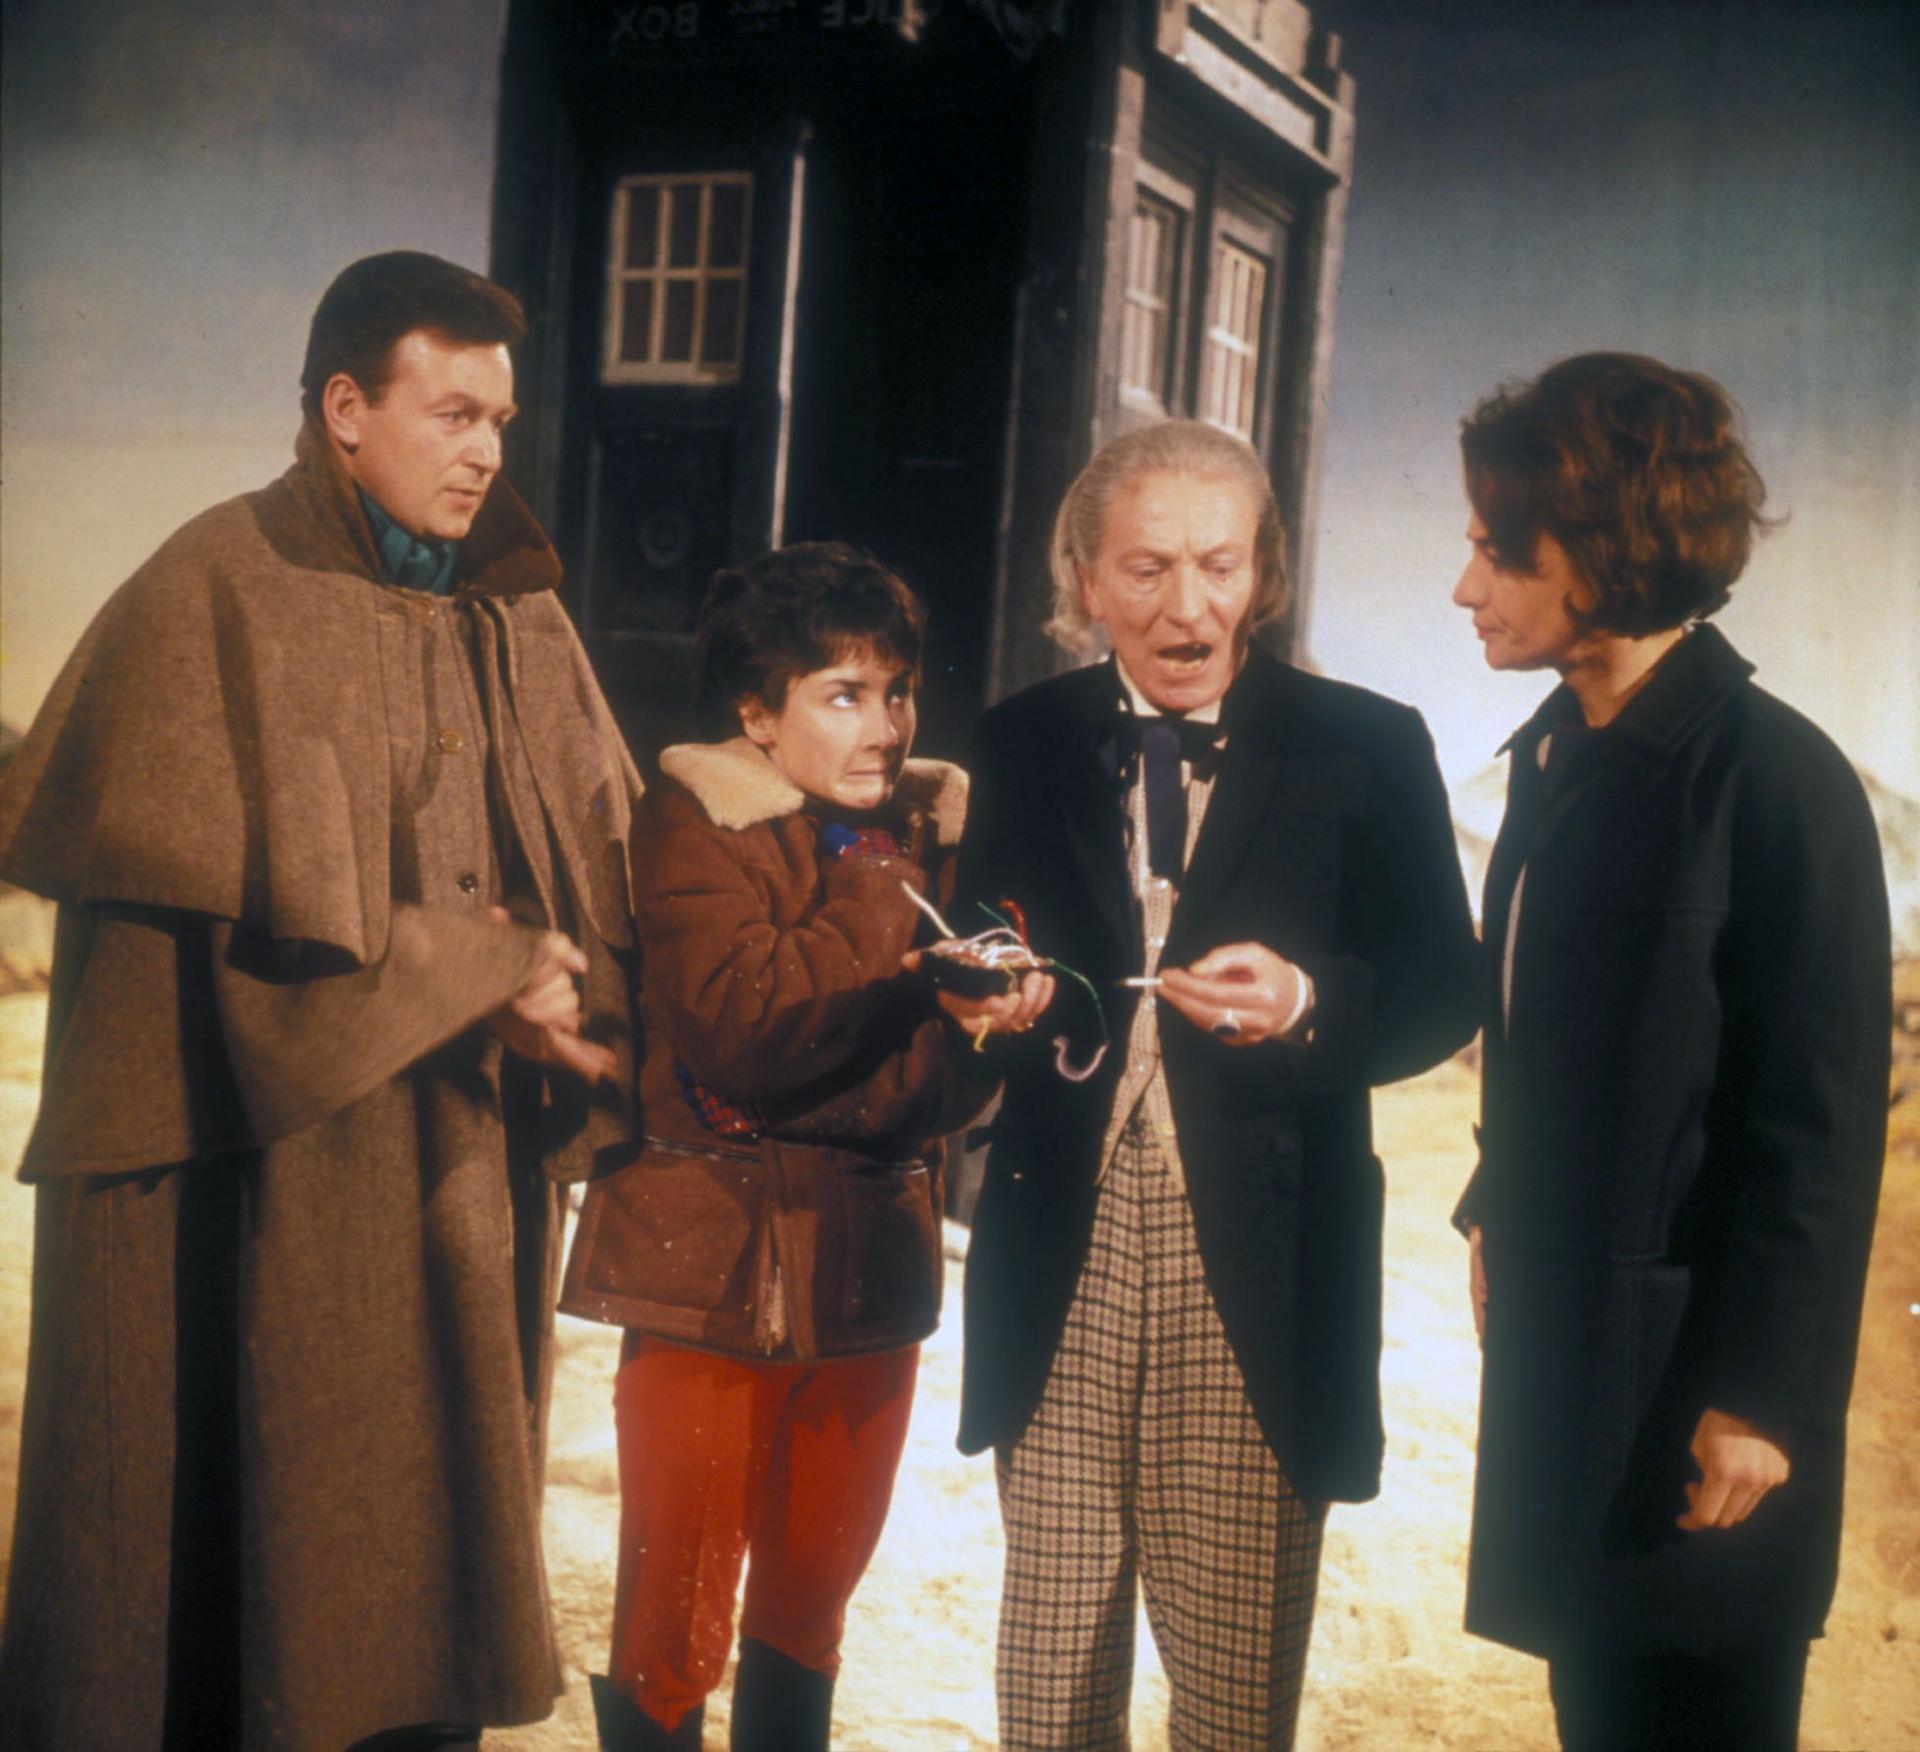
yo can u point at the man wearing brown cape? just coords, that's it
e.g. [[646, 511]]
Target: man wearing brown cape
[[336, 817]]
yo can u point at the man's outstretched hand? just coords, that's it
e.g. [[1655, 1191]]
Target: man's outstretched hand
[[541, 1021]]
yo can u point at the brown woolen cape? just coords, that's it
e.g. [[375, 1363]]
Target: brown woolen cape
[[298, 1223]]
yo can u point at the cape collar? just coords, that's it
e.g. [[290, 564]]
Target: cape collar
[[739, 787], [505, 553]]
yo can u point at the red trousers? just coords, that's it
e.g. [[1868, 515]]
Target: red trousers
[[719, 1457]]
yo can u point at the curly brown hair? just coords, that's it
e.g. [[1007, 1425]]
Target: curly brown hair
[[764, 624], [1636, 469]]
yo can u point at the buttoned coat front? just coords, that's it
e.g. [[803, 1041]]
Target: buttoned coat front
[[1327, 839], [1685, 1107], [297, 1229], [811, 1228]]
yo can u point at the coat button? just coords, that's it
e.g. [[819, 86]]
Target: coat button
[[468, 882], [451, 742]]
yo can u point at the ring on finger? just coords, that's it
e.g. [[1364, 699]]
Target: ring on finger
[[1228, 1025]]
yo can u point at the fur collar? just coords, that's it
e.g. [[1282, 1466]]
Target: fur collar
[[737, 786]]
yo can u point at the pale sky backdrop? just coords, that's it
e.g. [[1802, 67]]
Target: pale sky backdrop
[[182, 179], [1733, 187]]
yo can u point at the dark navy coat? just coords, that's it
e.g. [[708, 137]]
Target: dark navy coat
[[1326, 839], [1683, 1125]]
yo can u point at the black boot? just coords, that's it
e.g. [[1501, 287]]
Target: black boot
[[626, 1727], [778, 1705]]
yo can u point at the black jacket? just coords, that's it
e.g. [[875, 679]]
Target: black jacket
[[1326, 839], [1683, 1126]]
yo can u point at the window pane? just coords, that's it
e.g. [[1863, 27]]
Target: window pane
[[727, 226], [636, 321], [678, 256], [1146, 320], [643, 226], [1133, 348], [1237, 306], [683, 228], [720, 342], [676, 339], [1244, 277]]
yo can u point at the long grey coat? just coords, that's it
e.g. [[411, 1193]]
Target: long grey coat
[[297, 1231]]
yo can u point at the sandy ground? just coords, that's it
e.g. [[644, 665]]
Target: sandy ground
[[1389, 1668]]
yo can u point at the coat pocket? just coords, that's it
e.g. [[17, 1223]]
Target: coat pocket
[[675, 1231], [1658, 1407], [891, 1269]]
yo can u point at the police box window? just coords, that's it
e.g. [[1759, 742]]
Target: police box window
[[1150, 320], [677, 279], [1230, 375]]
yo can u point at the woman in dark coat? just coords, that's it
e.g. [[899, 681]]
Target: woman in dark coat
[[774, 1251], [1684, 1108]]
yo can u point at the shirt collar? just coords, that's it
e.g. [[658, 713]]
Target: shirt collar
[[1142, 707]]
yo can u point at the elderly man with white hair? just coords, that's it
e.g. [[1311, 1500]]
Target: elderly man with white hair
[[1173, 1291]]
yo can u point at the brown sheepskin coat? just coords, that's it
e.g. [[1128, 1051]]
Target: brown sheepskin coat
[[772, 983], [298, 1227]]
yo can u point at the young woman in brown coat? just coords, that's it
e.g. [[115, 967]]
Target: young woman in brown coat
[[774, 1250]]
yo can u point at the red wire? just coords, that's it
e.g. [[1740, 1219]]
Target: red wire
[[1012, 909]]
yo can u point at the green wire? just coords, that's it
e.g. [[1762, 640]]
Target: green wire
[[1087, 985]]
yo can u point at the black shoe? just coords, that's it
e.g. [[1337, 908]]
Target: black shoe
[[779, 1705], [626, 1727]]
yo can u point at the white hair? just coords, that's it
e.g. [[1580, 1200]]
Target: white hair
[[1189, 447]]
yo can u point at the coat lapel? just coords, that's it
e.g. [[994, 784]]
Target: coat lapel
[[1692, 683], [1088, 790], [1255, 713]]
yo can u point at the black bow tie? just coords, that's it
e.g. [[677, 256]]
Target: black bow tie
[[1155, 746], [1199, 743]]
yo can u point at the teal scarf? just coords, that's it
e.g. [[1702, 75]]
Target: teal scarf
[[407, 560]]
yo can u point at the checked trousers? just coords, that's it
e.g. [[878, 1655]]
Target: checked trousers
[[1143, 1465]]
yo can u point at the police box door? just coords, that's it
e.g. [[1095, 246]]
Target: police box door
[[682, 363]]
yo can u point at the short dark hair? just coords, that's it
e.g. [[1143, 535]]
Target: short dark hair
[[1632, 466], [764, 624], [381, 299]]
